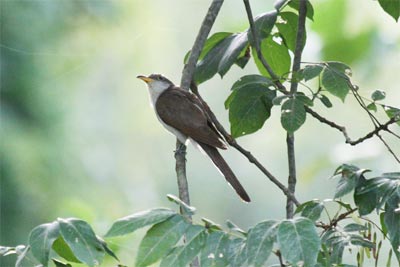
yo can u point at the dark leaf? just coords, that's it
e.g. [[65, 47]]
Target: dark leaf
[[159, 239], [392, 112], [82, 240], [133, 222], [311, 71], [299, 241], [360, 241], [287, 27], [392, 7], [249, 104], [293, 114], [232, 52], [312, 210], [372, 106], [325, 100], [41, 240], [392, 222], [277, 55], [303, 98], [378, 95], [107, 249], [59, 263], [355, 227], [277, 100], [335, 82], [310, 10], [210, 43], [264, 23]]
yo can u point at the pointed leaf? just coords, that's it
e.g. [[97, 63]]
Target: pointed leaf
[[392, 112], [264, 23], [277, 55], [355, 227], [392, 7], [372, 106], [392, 223], [311, 71], [159, 239], [41, 240], [232, 52], [59, 263], [325, 100], [250, 104], [287, 27], [63, 250], [378, 95], [310, 10], [82, 240], [138, 220], [260, 241], [335, 82], [293, 114], [301, 234], [312, 210]]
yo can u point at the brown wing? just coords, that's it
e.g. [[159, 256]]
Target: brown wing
[[180, 110]]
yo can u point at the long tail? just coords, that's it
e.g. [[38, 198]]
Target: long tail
[[221, 164]]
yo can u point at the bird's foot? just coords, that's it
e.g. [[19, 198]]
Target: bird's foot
[[181, 150]]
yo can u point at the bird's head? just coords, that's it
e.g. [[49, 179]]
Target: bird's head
[[156, 82]]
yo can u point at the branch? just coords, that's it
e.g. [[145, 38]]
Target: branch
[[232, 142], [292, 179], [187, 75]]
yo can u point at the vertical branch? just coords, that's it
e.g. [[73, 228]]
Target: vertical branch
[[187, 76], [293, 89]]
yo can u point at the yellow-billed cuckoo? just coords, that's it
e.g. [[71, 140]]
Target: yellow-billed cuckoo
[[183, 114]]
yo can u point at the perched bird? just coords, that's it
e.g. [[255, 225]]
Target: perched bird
[[183, 114]]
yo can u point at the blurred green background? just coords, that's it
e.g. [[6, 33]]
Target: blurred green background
[[78, 137]]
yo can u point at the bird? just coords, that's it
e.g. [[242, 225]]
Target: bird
[[183, 114]]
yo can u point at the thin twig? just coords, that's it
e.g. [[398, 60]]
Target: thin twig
[[292, 179], [232, 142]]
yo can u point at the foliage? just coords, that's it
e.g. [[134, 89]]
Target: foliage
[[311, 238]]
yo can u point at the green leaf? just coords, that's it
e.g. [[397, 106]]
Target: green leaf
[[211, 225], [310, 10], [278, 100], [299, 241], [325, 100], [355, 227], [235, 247], [378, 95], [133, 222], [232, 52], [21, 255], [360, 241], [210, 43], [277, 55], [366, 202], [372, 106], [159, 239], [215, 251], [59, 263], [335, 82], [249, 104], [64, 251], [392, 112], [82, 240], [41, 240], [264, 23], [107, 249], [311, 71], [311, 209], [183, 255], [392, 7], [303, 98], [287, 27], [350, 176], [260, 241], [233, 227], [293, 114]]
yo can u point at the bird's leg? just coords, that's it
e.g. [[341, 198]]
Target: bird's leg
[[181, 150]]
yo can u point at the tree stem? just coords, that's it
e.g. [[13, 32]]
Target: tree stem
[[292, 179]]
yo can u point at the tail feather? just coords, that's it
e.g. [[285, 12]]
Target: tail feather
[[221, 164]]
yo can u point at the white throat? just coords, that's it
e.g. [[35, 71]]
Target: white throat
[[155, 90]]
